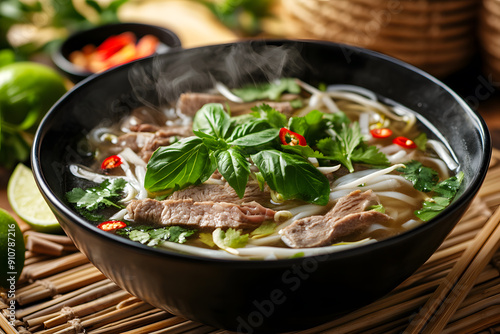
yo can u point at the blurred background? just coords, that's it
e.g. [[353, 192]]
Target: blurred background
[[457, 41], [439, 36]]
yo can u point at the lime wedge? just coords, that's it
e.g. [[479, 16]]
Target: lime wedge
[[28, 203]]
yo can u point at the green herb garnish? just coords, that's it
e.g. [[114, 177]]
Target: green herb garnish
[[348, 147], [271, 91], [230, 238], [445, 192], [89, 200], [423, 178], [152, 236]]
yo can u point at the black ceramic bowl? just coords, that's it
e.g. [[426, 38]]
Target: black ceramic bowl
[[168, 40], [252, 296]]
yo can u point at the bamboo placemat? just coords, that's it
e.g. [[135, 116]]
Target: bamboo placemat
[[456, 291]]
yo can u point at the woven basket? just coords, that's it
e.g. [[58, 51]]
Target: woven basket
[[489, 36], [438, 36]]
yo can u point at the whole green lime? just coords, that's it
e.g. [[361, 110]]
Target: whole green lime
[[27, 91], [12, 250]]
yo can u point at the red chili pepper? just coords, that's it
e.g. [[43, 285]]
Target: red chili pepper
[[111, 225], [295, 138], [111, 162], [404, 142], [381, 132], [113, 44]]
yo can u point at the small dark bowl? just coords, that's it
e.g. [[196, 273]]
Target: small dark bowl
[[257, 296], [168, 40]]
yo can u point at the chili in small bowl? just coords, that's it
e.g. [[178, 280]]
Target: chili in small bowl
[[109, 46]]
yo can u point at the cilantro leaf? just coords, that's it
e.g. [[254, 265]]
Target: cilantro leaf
[[152, 236], [272, 116], [207, 239], [264, 229], [377, 207], [449, 187], [89, 200], [423, 178], [446, 191], [230, 238], [432, 207], [421, 141]]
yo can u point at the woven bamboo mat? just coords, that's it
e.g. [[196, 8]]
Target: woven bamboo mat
[[456, 291]]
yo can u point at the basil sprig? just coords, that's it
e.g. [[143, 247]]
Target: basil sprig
[[223, 144], [228, 144]]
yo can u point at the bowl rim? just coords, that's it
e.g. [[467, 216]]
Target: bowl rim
[[467, 196], [67, 66]]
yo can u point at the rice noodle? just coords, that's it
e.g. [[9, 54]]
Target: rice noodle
[[398, 157], [439, 165], [318, 96], [224, 91], [328, 170], [443, 153], [355, 89], [282, 253], [399, 196], [365, 179]]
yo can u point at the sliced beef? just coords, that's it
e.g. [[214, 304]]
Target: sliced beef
[[348, 217], [145, 143], [144, 115], [190, 103], [206, 216], [145, 128], [163, 137], [223, 193]]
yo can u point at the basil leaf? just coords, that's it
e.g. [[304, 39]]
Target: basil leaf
[[256, 139], [304, 151], [212, 142], [212, 120], [178, 165], [292, 176], [250, 126], [235, 168]]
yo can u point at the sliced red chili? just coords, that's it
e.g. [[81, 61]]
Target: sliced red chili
[[404, 142], [113, 44], [381, 132], [111, 225], [291, 138], [111, 162]]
